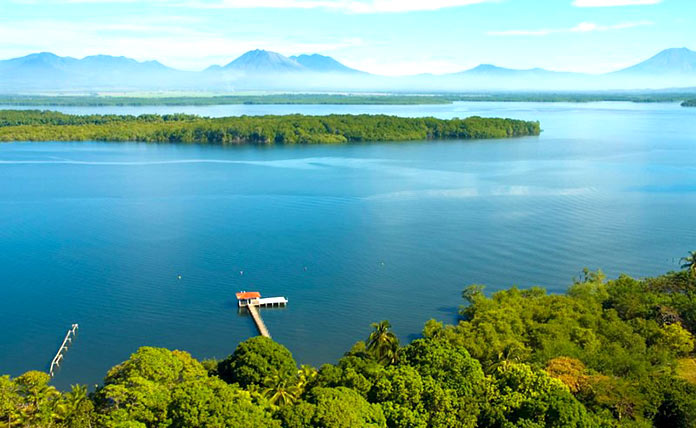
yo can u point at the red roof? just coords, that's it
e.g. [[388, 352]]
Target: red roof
[[248, 295]]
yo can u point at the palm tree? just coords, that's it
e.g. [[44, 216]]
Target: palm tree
[[382, 343], [511, 353], [280, 391], [690, 263], [305, 375], [40, 398], [72, 401], [254, 390]]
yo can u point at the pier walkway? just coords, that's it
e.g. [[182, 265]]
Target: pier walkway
[[254, 311], [55, 362]]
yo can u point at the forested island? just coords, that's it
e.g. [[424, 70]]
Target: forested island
[[617, 353], [337, 99], [34, 125], [689, 103]]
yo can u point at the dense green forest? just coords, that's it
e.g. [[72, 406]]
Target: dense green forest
[[34, 125], [344, 99], [689, 103], [617, 353]]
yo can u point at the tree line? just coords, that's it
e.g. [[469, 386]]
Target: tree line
[[617, 353], [689, 103], [34, 125], [291, 99], [339, 99]]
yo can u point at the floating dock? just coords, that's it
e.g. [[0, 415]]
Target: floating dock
[[72, 332], [252, 300]]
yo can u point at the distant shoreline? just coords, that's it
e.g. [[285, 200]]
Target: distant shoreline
[[336, 99]]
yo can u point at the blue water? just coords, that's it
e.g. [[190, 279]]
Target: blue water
[[97, 233]]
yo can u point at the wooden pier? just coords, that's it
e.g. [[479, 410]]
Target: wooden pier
[[260, 325], [252, 301], [72, 332]]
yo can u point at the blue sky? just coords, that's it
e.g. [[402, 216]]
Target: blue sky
[[382, 36]]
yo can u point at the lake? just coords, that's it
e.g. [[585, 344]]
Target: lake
[[99, 233]]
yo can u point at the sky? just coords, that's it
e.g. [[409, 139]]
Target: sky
[[390, 37]]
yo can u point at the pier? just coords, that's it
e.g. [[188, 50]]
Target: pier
[[252, 300], [260, 325], [72, 332]]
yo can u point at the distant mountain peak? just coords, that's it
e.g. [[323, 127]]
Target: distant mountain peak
[[263, 61], [42, 55], [322, 64], [668, 61], [120, 61]]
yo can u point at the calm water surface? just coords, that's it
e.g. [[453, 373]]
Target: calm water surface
[[97, 233]]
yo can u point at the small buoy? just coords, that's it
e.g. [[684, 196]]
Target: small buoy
[[179, 277]]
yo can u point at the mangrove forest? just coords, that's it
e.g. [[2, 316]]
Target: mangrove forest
[[34, 125]]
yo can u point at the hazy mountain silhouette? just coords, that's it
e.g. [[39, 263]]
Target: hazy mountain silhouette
[[675, 61], [261, 61], [322, 64], [49, 71], [266, 70]]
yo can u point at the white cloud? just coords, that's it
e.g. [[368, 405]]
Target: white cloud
[[583, 27], [613, 3], [347, 6]]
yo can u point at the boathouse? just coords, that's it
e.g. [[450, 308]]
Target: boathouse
[[253, 298], [246, 298]]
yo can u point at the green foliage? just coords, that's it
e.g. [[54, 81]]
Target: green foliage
[[344, 408], [210, 402], [299, 415], [29, 401], [678, 409], [449, 365], [281, 391], [258, 361], [521, 396], [689, 103], [33, 125], [382, 344], [690, 263], [140, 388], [76, 409], [616, 353], [607, 342]]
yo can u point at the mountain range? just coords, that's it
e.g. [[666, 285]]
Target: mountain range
[[266, 70]]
